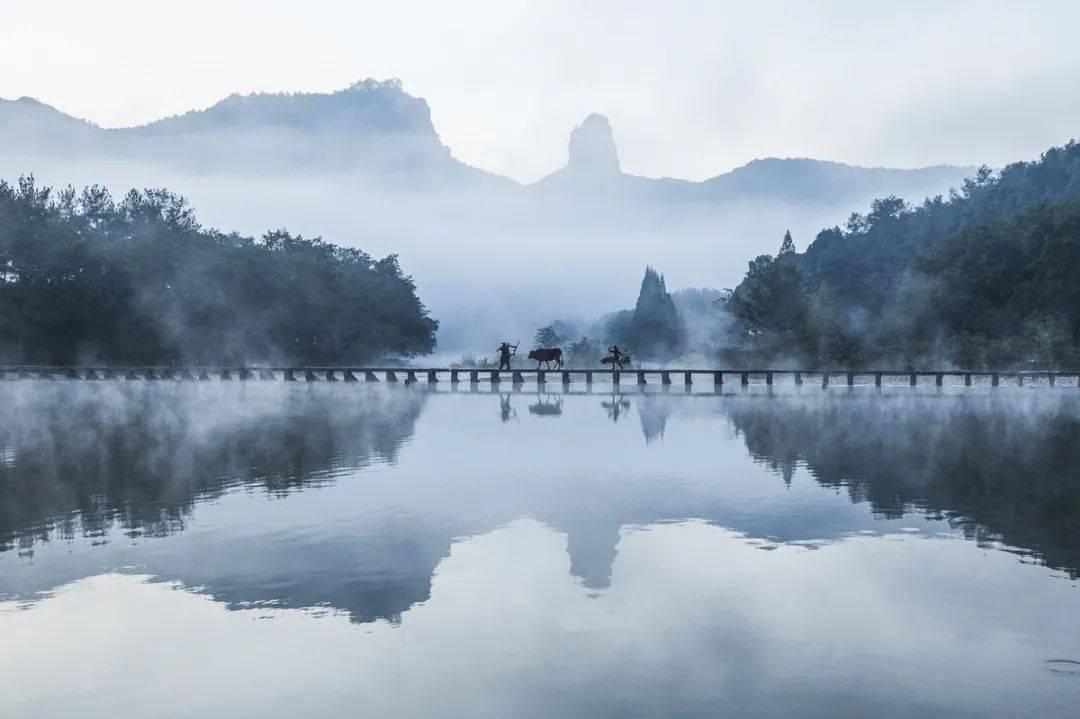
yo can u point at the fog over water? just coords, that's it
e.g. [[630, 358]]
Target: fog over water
[[900, 552], [209, 212], [365, 167], [497, 262]]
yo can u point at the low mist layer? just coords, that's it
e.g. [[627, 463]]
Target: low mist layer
[[989, 277], [492, 259], [87, 279]]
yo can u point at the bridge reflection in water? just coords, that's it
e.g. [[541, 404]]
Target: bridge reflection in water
[[92, 479], [665, 377]]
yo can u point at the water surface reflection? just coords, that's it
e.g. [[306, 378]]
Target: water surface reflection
[[620, 561]]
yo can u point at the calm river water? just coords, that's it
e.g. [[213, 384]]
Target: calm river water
[[272, 550]]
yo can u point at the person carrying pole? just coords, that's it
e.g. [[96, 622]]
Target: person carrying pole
[[506, 351]]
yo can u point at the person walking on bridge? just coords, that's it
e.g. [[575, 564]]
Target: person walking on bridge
[[506, 351]]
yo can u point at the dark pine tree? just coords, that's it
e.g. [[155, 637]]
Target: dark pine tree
[[656, 329], [787, 247]]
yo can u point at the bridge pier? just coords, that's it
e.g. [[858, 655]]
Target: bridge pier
[[566, 376]]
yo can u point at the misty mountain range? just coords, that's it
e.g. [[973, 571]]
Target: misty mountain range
[[377, 129], [365, 167]]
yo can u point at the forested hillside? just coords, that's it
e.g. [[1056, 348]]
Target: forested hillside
[[88, 279], [989, 276]]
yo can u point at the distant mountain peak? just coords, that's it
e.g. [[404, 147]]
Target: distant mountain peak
[[366, 106], [592, 147]]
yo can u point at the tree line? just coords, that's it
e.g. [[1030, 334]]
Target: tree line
[[85, 278], [654, 330], [988, 277]]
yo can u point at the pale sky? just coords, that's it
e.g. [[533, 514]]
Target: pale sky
[[692, 88]]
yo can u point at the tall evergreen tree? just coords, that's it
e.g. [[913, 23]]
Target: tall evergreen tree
[[656, 329], [787, 247]]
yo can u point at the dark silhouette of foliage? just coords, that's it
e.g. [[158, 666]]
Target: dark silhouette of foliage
[[547, 336], [654, 328], [773, 303], [85, 278], [787, 247], [985, 277]]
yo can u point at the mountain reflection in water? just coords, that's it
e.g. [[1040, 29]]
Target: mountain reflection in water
[[536, 554], [112, 471]]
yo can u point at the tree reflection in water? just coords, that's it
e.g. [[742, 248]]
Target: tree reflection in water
[[90, 461]]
